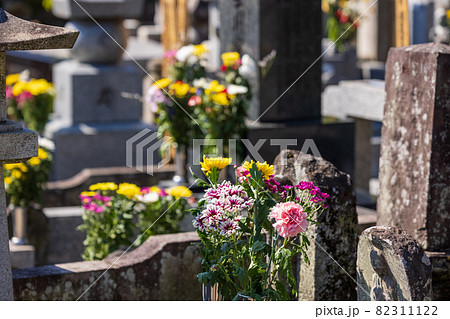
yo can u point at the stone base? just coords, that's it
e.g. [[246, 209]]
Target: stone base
[[22, 256], [91, 146]]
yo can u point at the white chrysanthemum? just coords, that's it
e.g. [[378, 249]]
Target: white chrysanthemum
[[184, 53], [236, 89]]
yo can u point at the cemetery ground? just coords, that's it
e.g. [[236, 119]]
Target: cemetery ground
[[312, 179]]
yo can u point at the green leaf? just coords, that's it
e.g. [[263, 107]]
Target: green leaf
[[258, 245]]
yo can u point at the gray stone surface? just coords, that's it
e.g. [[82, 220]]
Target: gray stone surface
[[83, 146], [362, 99], [392, 267], [6, 289], [92, 93], [68, 9], [22, 256], [293, 29], [332, 269], [18, 34], [98, 45], [415, 148], [163, 268]]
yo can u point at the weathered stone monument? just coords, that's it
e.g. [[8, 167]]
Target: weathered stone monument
[[16, 143], [93, 120], [415, 152], [392, 266], [415, 148], [333, 244]]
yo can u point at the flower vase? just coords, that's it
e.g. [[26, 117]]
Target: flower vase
[[211, 293], [19, 223], [181, 171]]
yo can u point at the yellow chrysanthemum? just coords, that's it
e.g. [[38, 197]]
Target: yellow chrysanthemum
[[34, 161], [129, 190], [90, 194], [23, 167], [8, 180], [218, 162], [220, 98], [179, 191], [230, 58], [10, 167], [12, 79], [155, 189], [266, 169], [43, 155], [215, 87], [16, 174], [180, 89], [39, 86], [103, 187], [163, 83], [200, 50], [19, 88]]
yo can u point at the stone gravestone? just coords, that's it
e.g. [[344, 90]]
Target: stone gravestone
[[392, 266], [91, 108], [332, 254], [291, 29], [16, 143], [415, 148]]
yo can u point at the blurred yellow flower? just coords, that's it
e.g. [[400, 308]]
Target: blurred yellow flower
[[215, 87], [19, 87], [180, 89], [8, 180], [12, 79], [12, 166], [163, 83], [129, 190], [39, 86], [200, 50], [16, 174], [218, 162], [90, 194], [230, 58], [103, 187], [179, 191], [43, 155], [220, 98], [155, 189], [34, 161], [448, 14]]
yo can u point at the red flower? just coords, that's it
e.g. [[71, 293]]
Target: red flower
[[223, 68], [343, 18]]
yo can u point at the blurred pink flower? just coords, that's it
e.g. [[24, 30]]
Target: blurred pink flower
[[290, 219]]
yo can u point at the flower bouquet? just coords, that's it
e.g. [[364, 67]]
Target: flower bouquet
[[115, 214], [29, 100], [187, 63], [341, 27], [252, 229], [24, 182], [194, 107]]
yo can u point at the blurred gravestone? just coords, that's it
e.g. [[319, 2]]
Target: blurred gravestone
[[293, 31], [18, 144], [91, 108]]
